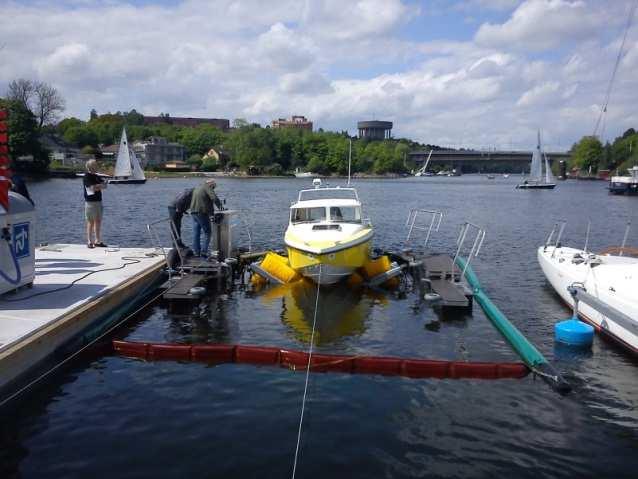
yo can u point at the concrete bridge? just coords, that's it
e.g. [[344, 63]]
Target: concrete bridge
[[474, 161]]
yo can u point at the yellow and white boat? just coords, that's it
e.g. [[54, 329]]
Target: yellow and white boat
[[327, 238]]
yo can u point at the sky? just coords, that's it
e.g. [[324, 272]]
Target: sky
[[472, 73]]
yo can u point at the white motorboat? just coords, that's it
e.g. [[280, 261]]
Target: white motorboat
[[625, 185], [304, 174], [536, 179], [127, 166], [605, 286], [327, 238]]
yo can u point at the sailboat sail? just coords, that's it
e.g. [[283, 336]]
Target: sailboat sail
[[138, 172], [123, 167], [536, 169]]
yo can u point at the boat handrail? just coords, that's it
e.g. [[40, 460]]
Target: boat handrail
[[560, 226], [476, 245], [328, 189], [413, 225]]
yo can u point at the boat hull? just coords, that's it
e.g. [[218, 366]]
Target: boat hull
[[612, 284], [127, 182], [542, 186], [332, 267]]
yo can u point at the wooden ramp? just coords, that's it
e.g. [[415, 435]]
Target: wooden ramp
[[451, 293], [440, 266], [181, 289]]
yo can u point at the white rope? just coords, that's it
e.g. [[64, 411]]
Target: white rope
[[305, 389]]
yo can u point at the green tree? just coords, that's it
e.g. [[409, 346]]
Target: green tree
[[67, 123], [201, 139], [81, 136], [587, 153], [195, 160]]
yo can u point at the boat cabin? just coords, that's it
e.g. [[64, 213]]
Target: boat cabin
[[322, 211]]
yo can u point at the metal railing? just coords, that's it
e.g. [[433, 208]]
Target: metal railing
[[560, 227], [158, 244], [412, 224], [479, 237]]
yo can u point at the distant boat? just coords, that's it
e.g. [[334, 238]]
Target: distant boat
[[625, 185], [304, 174], [490, 177], [536, 180], [423, 170], [127, 166], [506, 175]]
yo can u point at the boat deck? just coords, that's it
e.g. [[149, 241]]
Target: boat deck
[[74, 288]]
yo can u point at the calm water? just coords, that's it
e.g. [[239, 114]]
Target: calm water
[[108, 416]]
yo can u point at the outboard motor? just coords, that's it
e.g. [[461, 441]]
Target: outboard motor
[[17, 243]]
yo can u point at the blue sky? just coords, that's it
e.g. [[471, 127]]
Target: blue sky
[[473, 73]]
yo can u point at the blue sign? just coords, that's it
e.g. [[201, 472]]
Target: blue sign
[[21, 240]]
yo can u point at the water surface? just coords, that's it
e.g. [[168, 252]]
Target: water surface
[[106, 416]]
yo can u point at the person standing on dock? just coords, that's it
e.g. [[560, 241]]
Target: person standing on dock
[[176, 210], [202, 208], [93, 186]]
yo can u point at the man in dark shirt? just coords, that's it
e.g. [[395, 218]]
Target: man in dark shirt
[[202, 208], [176, 210], [93, 186]]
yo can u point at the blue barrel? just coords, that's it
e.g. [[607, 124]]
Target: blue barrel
[[574, 332]]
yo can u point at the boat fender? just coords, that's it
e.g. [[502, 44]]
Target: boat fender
[[197, 291], [574, 332]]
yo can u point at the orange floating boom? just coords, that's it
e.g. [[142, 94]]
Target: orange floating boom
[[389, 366]]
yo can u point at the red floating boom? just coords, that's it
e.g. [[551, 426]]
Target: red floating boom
[[411, 368]]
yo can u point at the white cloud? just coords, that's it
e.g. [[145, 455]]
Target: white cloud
[[335, 62], [542, 93], [541, 24]]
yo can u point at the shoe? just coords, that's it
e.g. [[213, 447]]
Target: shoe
[[100, 245], [90, 245]]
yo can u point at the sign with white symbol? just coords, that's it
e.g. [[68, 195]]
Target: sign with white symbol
[[21, 240]]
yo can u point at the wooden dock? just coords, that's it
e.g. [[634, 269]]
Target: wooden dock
[[444, 279], [78, 292]]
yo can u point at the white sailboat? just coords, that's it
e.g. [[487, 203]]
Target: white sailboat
[[127, 166], [604, 284], [423, 171], [536, 179]]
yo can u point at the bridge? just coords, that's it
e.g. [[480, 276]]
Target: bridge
[[475, 161]]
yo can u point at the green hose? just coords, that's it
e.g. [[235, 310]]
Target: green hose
[[526, 350]]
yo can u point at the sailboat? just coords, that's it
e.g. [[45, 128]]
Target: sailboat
[[127, 166], [423, 171], [536, 179]]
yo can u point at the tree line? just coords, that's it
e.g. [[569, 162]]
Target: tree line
[[589, 154], [247, 147]]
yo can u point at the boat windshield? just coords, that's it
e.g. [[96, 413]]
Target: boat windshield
[[345, 214], [301, 215]]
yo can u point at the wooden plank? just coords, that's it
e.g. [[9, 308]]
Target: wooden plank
[[451, 294]]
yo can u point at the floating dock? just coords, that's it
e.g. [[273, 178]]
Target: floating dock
[[77, 294]]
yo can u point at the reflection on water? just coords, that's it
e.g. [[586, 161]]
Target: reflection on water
[[339, 313]]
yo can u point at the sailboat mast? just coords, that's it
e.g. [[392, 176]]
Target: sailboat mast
[[349, 160]]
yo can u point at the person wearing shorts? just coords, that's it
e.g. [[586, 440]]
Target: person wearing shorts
[[93, 186]]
